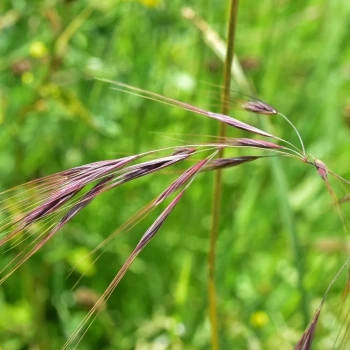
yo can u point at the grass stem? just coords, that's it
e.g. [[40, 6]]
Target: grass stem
[[217, 188]]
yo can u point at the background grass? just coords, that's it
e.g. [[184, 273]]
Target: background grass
[[54, 115]]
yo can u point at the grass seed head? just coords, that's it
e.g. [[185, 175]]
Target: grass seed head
[[306, 340], [259, 107], [321, 169]]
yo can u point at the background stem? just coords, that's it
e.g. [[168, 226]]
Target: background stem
[[217, 188]]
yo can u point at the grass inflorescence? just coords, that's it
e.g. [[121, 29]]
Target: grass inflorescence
[[33, 213]]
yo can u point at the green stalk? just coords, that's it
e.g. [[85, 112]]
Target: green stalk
[[217, 189]]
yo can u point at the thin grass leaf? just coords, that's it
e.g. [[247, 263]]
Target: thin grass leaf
[[345, 337], [344, 199], [218, 46]]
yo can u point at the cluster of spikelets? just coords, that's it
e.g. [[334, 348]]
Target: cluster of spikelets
[[36, 211]]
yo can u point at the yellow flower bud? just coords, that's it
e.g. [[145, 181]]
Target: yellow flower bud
[[150, 3], [37, 49], [259, 319]]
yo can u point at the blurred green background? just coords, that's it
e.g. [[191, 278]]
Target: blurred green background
[[281, 241]]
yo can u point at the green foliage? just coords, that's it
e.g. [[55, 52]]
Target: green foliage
[[54, 115]]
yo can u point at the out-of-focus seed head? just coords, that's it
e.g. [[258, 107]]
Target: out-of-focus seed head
[[258, 106]]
